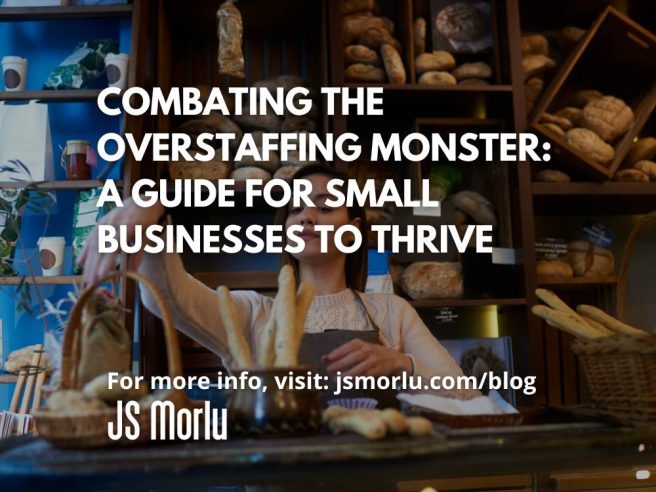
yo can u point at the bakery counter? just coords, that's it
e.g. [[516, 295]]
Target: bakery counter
[[346, 461]]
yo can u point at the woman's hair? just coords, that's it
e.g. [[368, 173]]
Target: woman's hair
[[356, 262]]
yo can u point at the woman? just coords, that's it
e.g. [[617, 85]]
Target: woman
[[346, 330]]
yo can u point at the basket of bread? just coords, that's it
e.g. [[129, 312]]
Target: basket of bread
[[79, 412], [619, 360]]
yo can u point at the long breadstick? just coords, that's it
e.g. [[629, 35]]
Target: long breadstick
[[552, 300], [304, 298], [237, 344], [608, 321], [285, 319], [266, 356], [598, 326], [566, 322]]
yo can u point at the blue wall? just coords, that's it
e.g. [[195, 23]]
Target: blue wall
[[45, 45]]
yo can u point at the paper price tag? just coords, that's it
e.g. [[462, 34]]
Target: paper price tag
[[598, 234], [446, 315]]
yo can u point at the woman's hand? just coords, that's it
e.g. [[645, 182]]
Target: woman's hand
[[96, 264], [367, 359]]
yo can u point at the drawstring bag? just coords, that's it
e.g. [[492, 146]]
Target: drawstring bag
[[106, 345]]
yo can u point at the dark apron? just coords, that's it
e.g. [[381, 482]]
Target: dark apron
[[315, 345]]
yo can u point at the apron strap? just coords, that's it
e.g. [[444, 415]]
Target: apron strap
[[373, 324]]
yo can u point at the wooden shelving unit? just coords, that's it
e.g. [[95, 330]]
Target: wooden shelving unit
[[57, 280], [13, 14]]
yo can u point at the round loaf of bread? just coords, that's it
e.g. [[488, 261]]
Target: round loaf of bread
[[476, 206], [588, 142], [359, 53], [608, 116], [286, 172], [432, 280], [647, 167], [437, 78], [631, 175], [554, 268], [460, 22], [437, 61], [642, 149], [586, 259], [359, 72], [214, 169], [269, 165], [552, 176], [476, 70]]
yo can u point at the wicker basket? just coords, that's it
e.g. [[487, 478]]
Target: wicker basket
[[90, 429], [621, 369]]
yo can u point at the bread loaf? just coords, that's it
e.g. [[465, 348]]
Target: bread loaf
[[554, 268], [571, 113], [22, 358], [563, 123], [642, 149], [251, 172], [212, 170], [269, 165], [587, 259], [359, 72], [533, 65], [359, 53], [607, 116], [554, 128], [631, 175], [393, 64], [432, 280], [588, 142], [355, 24], [375, 37], [552, 176]]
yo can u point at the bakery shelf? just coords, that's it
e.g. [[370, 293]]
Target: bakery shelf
[[610, 197], [576, 282], [58, 280], [426, 303], [72, 12], [73, 95], [402, 88], [8, 378], [60, 185]]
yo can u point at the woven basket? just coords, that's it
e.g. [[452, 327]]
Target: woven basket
[[621, 369], [90, 429]]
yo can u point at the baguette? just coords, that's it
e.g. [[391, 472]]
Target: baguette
[[552, 300], [285, 313], [566, 322], [237, 344], [597, 326], [608, 321]]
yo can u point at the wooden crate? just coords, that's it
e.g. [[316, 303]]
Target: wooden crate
[[616, 57]]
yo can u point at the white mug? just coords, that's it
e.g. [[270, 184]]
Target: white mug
[[51, 255], [14, 71], [117, 69]]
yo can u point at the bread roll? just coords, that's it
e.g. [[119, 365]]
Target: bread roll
[[583, 97], [563, 123], [245, 173], [554, 128], [420, 35], [419, 426], [552, 176], [367, 423], [437, 61], [631, 175], [588, 142], [554, 268], [535, 44], [270, 165], [359, 53], [642, 149], [359, 72], [571, 113], [432, 280], [22, 358], [375, 37], [587, 259], [647, 167], [211, 170], [533, 65], [607, 116], [352, 6], [476, 70], [437, 78], [393, 64], [394, 420]]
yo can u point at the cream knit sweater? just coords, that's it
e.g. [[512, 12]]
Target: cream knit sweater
[[195, 312]]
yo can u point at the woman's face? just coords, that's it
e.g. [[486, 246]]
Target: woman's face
[[309, 217]]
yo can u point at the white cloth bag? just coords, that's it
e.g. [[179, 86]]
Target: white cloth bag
[[25, 142]]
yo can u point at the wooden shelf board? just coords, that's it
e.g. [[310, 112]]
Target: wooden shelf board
[[72, 95], [60, 185], [612, 188], [591, 281], [584, 198], [58, 280], [72, 12], [467, 302], [8, 378]]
